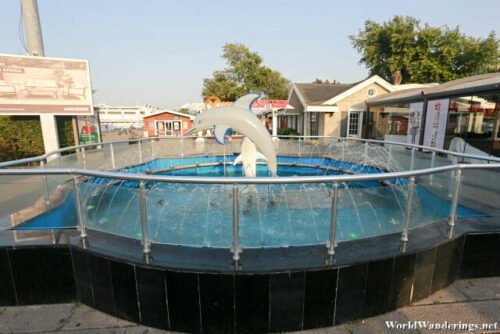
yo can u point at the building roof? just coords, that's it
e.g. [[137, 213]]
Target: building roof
[[166, 111], [317, 94], [464, 86]]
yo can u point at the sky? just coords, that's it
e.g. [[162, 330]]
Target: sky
[[157, 52]]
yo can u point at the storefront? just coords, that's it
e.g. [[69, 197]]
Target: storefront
[[460, 115], [167, 123]]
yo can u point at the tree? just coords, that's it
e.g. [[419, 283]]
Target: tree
[[244, 74], [423, 54], [319, 81]]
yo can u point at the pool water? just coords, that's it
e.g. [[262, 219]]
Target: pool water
[[278, 215]]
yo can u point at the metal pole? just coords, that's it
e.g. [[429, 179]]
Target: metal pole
[[45, 185], [81, 224], [112, 150], [224, 162], [152, 149], [411, 188], [182, 148], [32, 28], [453, 209], [84, 158], [433, 161], [59, 165], [366, 153], [146, 243], [140, 151], [412, 161], [389, 158], [299, 148], [334, 194], [343, 149], [235, 248]]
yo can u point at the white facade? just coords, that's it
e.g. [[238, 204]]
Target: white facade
[[197, 107], [123, 117]]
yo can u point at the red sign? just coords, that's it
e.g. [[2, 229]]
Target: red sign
[[269, 104]]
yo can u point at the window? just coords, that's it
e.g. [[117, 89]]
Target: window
[[168, 128], [354, 124]]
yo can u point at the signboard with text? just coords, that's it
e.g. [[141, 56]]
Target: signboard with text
[[435, 123], [40, 85]]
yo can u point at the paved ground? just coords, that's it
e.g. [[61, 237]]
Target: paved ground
[[474, 301]]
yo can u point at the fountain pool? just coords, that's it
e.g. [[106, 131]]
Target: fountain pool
[[279, 215]]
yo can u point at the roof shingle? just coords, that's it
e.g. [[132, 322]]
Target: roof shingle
[[317, 94]]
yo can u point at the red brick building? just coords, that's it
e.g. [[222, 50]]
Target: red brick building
[[167, 123]]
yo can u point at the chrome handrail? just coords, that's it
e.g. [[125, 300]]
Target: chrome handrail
[[341, 139], [244, 180]]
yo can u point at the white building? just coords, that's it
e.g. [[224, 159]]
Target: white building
[[123, 117], [195, 107]]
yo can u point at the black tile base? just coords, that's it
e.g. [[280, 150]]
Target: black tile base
[[244, 301]]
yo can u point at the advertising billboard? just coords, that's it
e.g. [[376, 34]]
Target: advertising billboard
[[40, 85], [435, 123]]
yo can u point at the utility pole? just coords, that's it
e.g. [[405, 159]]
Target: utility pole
[[35, 48], [32, 27]]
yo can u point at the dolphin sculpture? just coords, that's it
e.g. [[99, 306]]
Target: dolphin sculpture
[[240, 118], [248, 157]]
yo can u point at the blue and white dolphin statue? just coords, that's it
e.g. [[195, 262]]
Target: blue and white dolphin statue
[[240, 118]]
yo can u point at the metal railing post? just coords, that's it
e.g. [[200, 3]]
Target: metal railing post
[[343, 150], [84, 158], [235, 247], [182, 148], [412, 160], [59, 165], [453, 210], [146, 243], [140, 151], [366, 153], [411, 189], [46, 192], [389, 157], [332, 243], [300, 148], [433, 161], [112, 150], [81, 224]]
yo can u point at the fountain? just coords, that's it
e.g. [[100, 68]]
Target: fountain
[[185, 202]]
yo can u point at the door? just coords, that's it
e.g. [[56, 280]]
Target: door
[[354, 124]]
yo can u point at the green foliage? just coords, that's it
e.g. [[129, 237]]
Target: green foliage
[[244, 74], [319, 81], [288, 132], [65, 131], [20, 137], [423, 54], [185, 111]]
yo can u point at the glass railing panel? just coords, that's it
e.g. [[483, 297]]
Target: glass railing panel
[[190, 214], [98, 157], [432, 198], [370, 208], [25, 205], [126, 154], [479, 191], [111, 206], [164, 147], [71, 159]]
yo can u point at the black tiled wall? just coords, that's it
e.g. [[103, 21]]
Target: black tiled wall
[[241, 302]]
